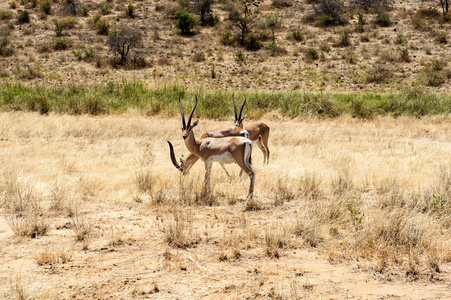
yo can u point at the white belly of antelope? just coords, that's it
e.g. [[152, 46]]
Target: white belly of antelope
[[225, 158]]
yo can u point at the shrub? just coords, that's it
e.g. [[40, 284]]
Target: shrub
[[240, 58], [185, 22], [23, 17], [198, 56], [281, 3], [203, 9], [103, 27], [5, 14], [105, 9], [370, 4], [378, 74], [437, 64], [251, 42], [434, 78], [227, 39], [60, 43], [130, 11], [84, 54], [330, 12], [121, 42], [311, 55], [58, 27], [441, 38], [297, 35], [12, 5], [345, 40], [383, 18], [84, 11], [404, 56], [46, 6], [4, 49]]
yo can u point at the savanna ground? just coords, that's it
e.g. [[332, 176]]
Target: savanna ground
[[355, 202], [93, 208]]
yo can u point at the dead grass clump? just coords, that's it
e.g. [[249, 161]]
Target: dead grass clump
[[179, 231], [82, 227], [51, 256], [31, 225], [283, 192], [17, 198], [274, 240], [310, 186], [144, 181], [379, 74]]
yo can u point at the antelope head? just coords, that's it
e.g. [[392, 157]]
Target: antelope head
[[186, 127], [238, 119]]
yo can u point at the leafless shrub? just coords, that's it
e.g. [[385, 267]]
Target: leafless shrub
[[124, 40]]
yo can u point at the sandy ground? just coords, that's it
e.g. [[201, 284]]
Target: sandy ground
[[125, 254]]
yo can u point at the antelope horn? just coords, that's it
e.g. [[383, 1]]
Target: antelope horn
[[174, 161], [242, 106], [191, 115], [183, 116], [234, 106]]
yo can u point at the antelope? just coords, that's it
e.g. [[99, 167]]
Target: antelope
[[257, 131], [224, 150]]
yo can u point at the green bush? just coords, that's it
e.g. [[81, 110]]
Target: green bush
[[46, 6], [311, 54], [297, 35], [24, 17], [383, 18], [227, 39], [251, 42], [130, 11], [103, 27], [84, 11], [60, 43], [185, 22]]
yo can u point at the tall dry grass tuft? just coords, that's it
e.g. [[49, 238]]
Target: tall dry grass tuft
[[179, 231], [31, 225]]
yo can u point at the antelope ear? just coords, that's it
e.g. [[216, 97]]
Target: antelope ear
[[243, 118], [195, 124]]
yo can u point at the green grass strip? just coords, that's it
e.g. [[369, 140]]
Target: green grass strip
[[113, 98]]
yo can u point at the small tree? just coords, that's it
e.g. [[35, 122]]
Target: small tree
[[240, 14], [272, 22], [122, 41], [130, 11], [203, 9], [23, 17], [330, 12], [185, 21]]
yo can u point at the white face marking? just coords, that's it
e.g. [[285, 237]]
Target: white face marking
[[225, 158]]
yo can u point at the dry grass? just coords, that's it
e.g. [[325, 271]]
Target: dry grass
[[373, 192]]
